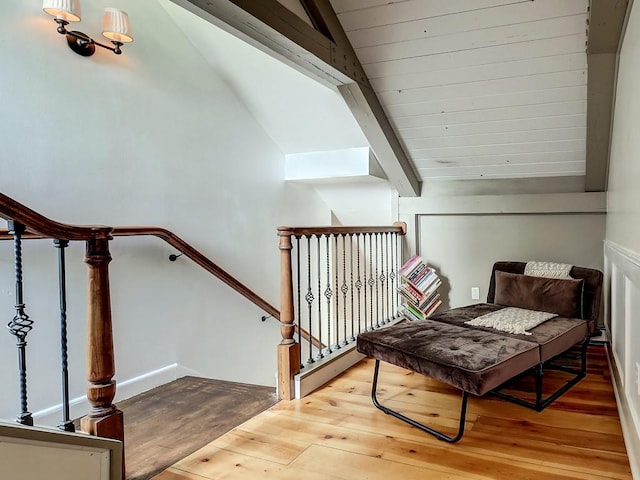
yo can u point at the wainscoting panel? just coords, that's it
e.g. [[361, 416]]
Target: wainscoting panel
[[622, 274]]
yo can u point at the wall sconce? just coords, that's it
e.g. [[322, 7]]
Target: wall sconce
[[115, 27]]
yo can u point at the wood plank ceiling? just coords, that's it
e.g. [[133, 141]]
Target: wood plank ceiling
[[478, 88]]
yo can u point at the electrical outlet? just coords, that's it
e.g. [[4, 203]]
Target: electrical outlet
[[475, 293]]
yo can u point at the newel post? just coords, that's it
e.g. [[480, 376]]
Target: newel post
[[104, 419], [289, 349]]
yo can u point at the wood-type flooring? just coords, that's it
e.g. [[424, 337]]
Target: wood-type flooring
[[336, 433], [174, 420]]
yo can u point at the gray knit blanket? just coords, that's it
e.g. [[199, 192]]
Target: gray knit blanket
[[512, 320]]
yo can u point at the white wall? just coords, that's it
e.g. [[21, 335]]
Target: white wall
[[369, 203], [462, 236], [463, 248], [623, 239], [153, 136]]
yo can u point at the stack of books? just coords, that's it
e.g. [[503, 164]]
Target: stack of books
[[419, 289]]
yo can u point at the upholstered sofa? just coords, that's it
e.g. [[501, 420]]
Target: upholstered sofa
[[478, 359]]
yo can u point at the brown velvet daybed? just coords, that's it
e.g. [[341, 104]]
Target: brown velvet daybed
[[479, 360]]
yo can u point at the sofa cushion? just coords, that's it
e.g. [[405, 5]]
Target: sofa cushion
[[554, 336], [592, 288], [473, 360], [554, 295]]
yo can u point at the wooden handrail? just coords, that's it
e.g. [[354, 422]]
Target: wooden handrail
[[398, 227], [41, 225], [183, 247], [179, 244], [105, 419]]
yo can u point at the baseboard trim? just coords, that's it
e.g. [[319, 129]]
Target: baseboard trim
[[630, 431], [308, 381], [79, 406]]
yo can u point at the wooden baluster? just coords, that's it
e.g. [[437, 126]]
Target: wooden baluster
[[104, 419], [288, 349]]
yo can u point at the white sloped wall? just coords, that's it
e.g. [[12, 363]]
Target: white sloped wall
[[154, 136]]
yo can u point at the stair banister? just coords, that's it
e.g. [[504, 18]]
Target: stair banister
[[104, 419], [289, 349], [289, 360]]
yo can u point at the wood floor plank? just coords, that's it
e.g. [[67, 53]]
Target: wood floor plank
[[344, 465], [168, 423], [337, 433], [216, 464], [260, 444], [362, 467], [175, 474], [278, 425], [559, 435]]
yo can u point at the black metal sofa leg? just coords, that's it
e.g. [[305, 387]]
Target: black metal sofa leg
[[424, 428], [540, 403]]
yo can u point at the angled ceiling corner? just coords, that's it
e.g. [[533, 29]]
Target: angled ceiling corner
[[325, 53]]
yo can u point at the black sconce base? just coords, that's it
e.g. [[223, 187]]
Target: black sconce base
[[80, 43]]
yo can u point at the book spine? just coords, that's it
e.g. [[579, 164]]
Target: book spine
[[433, 287], [433, 308], [418, 272], [426, 281], [410, 264], [428, 301], [408, 296], [415, 292], [433, 299], [407, 314], [415, 312]]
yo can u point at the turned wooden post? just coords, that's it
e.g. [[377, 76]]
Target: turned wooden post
[[402, 226], [104, 419], [289, 349]]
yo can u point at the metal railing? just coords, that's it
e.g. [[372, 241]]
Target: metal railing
[[104, 419], [336, 282]]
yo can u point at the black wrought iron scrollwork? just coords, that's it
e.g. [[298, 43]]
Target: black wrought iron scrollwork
[[328, 294], [371, 281], [21, 324], [336, 345], [299, 311], [349, 287], [344, 288], [392, 274], [358, 285], [309, 299], [320, 353], [66, 424], [353, 337]]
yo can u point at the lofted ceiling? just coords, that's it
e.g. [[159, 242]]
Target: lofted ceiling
[[454, 89], [478, 88]]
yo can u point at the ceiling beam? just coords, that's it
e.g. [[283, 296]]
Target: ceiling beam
[[324, 53], [606, 22]]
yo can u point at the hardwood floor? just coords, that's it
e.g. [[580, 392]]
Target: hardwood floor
[[170, 422], [336, 433]]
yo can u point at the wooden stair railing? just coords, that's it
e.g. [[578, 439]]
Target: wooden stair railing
[[104, 419], [289, 360], [182, 246]]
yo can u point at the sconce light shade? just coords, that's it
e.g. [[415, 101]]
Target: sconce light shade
[[116, 26], [68, 10]]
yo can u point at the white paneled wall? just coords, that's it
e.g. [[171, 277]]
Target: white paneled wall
[[622, 274]]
